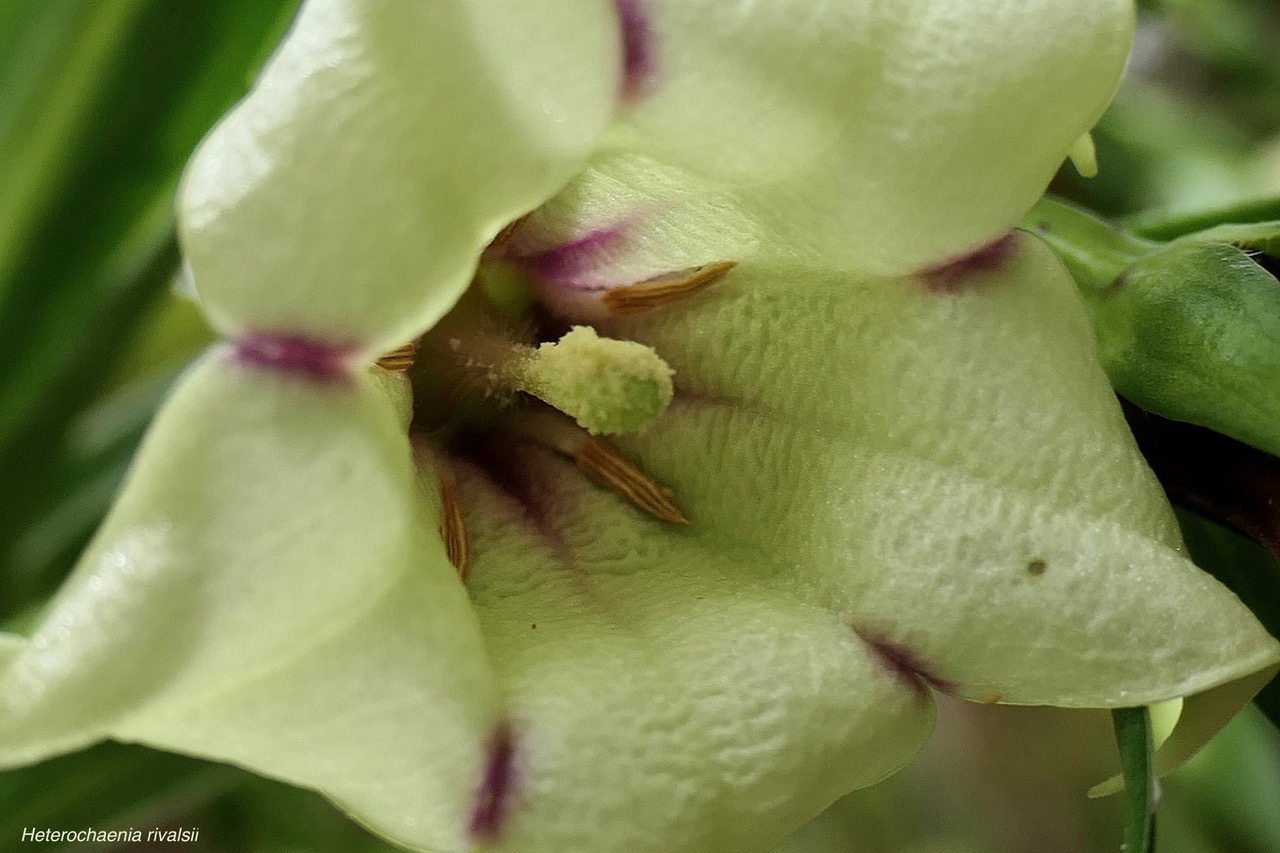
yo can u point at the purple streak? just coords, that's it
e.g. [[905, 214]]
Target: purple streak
[[638, 64], [570, 264], [954, 273], [493, 798], [309, 357], [903, 663]]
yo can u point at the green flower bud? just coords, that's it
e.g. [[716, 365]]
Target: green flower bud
[[1189, 329], [1192, 332]]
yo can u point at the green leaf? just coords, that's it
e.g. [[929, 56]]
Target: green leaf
[[1233, 786], [108, 787], [1256, 236], [115, 787], [103, 103], [1133, 737], [1163, 226], [80, 480]]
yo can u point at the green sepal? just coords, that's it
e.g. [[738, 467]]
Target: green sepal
[[1192, 332]]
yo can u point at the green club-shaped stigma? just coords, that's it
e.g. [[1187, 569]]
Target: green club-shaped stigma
[[607, 386]]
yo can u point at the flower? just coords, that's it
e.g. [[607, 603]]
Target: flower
[[902, 465]]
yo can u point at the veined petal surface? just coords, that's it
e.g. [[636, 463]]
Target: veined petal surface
[[270, 590], [668, 691], [947, 469], [347, 198], [882, 137]]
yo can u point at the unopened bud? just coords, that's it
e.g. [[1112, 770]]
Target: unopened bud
[[1192, 332]]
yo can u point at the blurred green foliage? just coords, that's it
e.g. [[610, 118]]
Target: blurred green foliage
[[1195, 124], [101, 107]]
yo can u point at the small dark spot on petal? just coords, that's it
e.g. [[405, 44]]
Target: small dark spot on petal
[[1037, 566], [951, 275], [493, 797], [533, 626], [294, 354], [904, 663], [1043, 226]]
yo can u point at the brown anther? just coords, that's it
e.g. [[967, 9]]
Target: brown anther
[[498, 245], [601, 461], [664, 289], [399, 359], [453, 530]]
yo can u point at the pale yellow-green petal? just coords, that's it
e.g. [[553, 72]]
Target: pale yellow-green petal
[[668, 692], [948, 469], [269, 590], [881, 137], [348, 196]]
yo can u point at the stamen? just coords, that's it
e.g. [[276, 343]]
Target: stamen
[[602, 462], [453, 530], [664, 289], [399, 359], [497, 247]]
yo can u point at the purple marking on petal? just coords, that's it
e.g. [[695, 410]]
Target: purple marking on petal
[[950, 275], [294, 354], [903, 663], [638, 64], [493, 797], [570, 264], [512, 466]]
